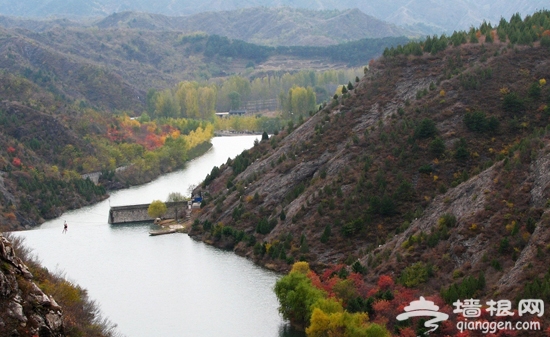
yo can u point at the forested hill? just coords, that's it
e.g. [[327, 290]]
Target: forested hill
[[431, 169], [114, 68]]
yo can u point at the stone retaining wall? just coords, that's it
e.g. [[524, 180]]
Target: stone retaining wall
[[136, 213]]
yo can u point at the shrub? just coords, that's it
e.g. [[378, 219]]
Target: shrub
[[448, 220], [538, 288], [513, 103], [414, 275], [265, 226], [504, 246], [426, 169], [425, 129], [437, 147], [387, 206], [207, 225], [468, 288], [351, 228], [535, 90], [326, 234], [462, 152], [210, 177], [496, 264], [357, 267], [478, 122]]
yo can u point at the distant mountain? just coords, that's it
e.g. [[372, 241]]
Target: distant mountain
[[421, 15], [268, 26]]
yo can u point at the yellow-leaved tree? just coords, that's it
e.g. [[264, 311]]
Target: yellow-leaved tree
[[156, 209]]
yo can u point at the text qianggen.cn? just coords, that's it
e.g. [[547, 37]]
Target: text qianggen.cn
[[493, 327]]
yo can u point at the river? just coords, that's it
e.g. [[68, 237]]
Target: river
[[166, 285]]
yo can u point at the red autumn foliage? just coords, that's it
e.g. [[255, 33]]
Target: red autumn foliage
[[315, 280], [383, 308], [148, 134], [359, 284], [329, 285], [448, 328], [407, 332], [463, 334], [403, 296], [16, 162], [11, 149], [385, 282], [329, 272]]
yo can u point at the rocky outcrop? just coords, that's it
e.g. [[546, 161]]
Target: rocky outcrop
[[25, 309]]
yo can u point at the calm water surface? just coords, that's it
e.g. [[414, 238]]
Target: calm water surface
[[167, 285]]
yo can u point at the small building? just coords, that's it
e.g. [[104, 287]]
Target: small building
[[195, 201], [237, 112]]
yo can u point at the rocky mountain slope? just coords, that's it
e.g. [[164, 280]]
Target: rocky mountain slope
[[26, 310], [35, 302], [436, 162]]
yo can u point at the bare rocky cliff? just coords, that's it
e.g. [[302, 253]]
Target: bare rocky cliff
[[25, 309]]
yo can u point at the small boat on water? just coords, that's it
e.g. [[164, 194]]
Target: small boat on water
[[162, 231]]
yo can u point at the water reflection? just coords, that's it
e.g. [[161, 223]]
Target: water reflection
[[287, 331]]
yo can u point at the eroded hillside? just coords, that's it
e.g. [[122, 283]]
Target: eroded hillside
[[435, 159]]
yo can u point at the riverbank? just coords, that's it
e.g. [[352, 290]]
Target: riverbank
[[204, 282], [229, 133], [108, 183], [133, 176]]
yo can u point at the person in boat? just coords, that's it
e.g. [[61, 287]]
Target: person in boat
[[65, 227]]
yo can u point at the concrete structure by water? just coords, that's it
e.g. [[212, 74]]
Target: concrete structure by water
[[136, 213]]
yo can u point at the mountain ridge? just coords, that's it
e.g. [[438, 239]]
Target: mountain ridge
[[265, 26], [423, 16]]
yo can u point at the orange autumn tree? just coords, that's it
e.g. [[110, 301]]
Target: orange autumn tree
[[152, 136]]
